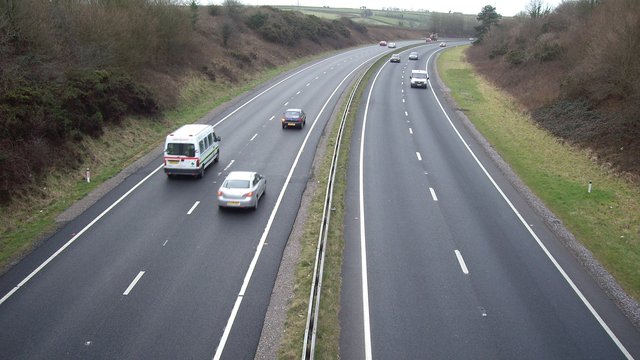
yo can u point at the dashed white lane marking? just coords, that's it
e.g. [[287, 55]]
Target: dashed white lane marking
[[410, 131], [253, 137], [401, 90], [193, 207], [287, 103], [406, 113], [298, 93], [165, 243], [402, 100], [228, 166], [319, 77], [271, 118], [461, 261], [308, 84], [418, 155], [433, 194], [133, 283]]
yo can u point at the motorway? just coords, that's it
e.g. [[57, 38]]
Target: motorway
[[154, 270], [444, 258]]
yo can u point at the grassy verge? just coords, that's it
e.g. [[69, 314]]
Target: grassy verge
[[606, 221], [27, 219]]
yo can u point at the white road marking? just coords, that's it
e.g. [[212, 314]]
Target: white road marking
[[401, 90], [253, 137], [298, 93], [566, 277], [419, 156], [308, 84], [228, 166], [406, 113], [402, 100], [433, 194], [410, 131], [271, 118], [133, 283], [318, 77], [193, 207], [165, 243], [461, 261], [287, 103]]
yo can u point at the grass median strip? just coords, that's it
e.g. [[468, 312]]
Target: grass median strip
[[606, 221]]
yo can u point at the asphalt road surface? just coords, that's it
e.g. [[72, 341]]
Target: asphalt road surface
[[154, 270], [444, 259]]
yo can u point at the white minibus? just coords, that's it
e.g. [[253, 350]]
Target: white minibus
[[190, 149]]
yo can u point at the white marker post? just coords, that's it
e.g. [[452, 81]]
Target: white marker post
[[589, 189], [88, 175]]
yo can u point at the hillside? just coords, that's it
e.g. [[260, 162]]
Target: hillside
[[70, 68], [576, 70]]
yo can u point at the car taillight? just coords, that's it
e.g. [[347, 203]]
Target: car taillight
[[220, 193], [249, 194], [197, 162]]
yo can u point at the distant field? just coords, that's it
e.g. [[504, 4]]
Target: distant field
[[412, 19], [448, 24]]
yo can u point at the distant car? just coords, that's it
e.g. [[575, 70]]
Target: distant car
[[242, 189], [392, 45], [443, 44], [294, 118], [383, 43], [428, 39], [413, 55], [395, 58]]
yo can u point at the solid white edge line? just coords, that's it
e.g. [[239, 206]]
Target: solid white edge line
[[418, 156], [133, 283], [265, 233], [73, 239], [533, 234], [461, 261], [193, 207], [433, 194], [363, 243]]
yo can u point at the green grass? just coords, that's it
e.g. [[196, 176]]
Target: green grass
[[33, 215], [607, 221]]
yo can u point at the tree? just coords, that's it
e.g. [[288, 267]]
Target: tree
[[537, 9], [487, 17]]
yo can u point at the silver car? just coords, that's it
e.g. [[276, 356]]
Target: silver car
[[242, 189], [413, 56]]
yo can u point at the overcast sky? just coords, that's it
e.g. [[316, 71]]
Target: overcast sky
[[503, 7]]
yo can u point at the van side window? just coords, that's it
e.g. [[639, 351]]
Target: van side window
[[202, 146], [206, 142]]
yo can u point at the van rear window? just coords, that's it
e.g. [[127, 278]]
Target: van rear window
[[180, 149]]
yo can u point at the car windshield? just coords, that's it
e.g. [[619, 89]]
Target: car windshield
[[237, 184], [414, 54], [181, 149], [420, 76], [292, 114]]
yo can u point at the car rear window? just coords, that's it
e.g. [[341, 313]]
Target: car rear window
[[181, 149], [237, 184], [292, 114]]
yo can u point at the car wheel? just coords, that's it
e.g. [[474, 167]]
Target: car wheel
[[255, 207], [201, 173]]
